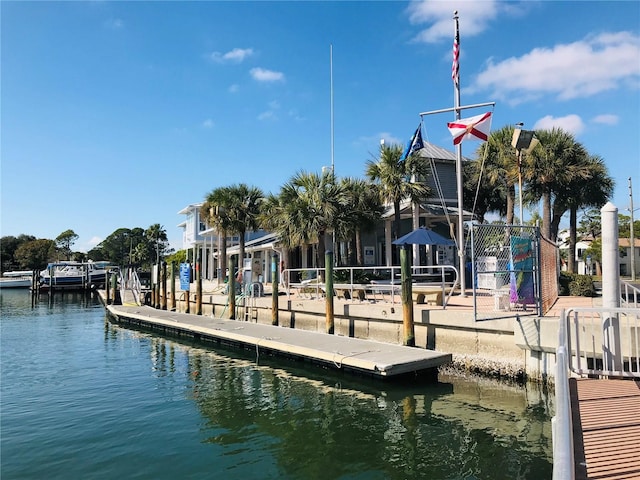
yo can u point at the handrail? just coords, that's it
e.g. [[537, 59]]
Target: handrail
[[603, 341], [561, 423], [627, 291]]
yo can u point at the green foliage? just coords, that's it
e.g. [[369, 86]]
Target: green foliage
[[8, 247], [576, 285], [64, 241], [35, 254], [178, 257]]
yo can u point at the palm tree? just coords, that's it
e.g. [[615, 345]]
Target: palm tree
[[548, 169], [242, 212], [500, 172], [394, 178], [214, 211], [156, 236], [361, 211], [593, 191], [305, 210]]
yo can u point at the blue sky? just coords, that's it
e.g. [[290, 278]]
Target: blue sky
[[119, 114]]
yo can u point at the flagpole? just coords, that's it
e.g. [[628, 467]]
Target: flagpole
[[455, 73]]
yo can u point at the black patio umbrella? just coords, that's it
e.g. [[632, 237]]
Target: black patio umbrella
[[423, 236]]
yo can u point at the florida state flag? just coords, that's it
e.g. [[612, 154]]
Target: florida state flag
[[474, 128]]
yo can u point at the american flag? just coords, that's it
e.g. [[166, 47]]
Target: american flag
[[455, 67]]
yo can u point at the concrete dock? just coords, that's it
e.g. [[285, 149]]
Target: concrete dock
[[378, 359]]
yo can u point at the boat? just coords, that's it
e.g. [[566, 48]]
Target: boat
[[19, 279], [75, 275]]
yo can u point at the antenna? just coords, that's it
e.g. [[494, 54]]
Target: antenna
[[331, 88]]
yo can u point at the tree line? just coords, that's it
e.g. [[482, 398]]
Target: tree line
[[312, 208], [137, 246], [559, 173]]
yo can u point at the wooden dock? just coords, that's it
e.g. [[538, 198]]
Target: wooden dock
[[606, 428], [382, 360]]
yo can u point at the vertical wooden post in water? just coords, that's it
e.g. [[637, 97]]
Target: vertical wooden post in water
[[328, 265], [107, 278], [114, 289], [275, 279], [186, 293], [158, 282], [198, 286], [407, 299], [231, 285], [163, 290], [173, 286]]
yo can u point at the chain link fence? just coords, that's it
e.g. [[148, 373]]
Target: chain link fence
[[506, 271]]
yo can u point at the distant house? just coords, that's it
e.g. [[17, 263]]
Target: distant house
[[439, 213], [584, 262], [625, 256]]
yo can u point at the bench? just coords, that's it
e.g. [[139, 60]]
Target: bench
[[345, 291], [431, 296]]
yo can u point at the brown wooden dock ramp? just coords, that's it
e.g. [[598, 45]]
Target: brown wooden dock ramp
[[375, 358], [606, 428]]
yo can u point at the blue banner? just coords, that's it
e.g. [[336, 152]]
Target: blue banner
[[521, 281], [185, 276]]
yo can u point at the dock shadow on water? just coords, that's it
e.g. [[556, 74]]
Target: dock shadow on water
[[85, 398]]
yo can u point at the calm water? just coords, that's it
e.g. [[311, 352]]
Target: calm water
[[83, 398]]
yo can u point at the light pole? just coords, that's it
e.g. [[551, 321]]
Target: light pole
[[523, 140], [632, 239]]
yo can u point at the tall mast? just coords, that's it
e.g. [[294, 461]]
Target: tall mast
[[331, 88], [455, 75]]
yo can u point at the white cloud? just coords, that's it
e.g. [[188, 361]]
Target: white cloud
[[571, 123], [237, 55], [476, 18], [606, 119], [94, 241], [375, 140], [234, 88], [575, 70], [263, 75], [268, 115], [114, 23], [208, 123]]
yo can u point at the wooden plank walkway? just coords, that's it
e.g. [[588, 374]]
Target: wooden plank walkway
[[377, 359], [606, 419]]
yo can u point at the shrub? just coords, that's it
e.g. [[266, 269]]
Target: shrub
[[576, 285]]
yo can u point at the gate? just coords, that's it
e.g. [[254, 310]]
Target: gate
[[505, 269]]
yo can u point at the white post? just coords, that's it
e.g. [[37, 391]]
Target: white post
[[610, 288]]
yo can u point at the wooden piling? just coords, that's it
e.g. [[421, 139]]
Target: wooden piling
[[231, 285], [198, 287], [163, 290], [328, 265], [173, 286], [107, 279], [275, 279], [407, 299]]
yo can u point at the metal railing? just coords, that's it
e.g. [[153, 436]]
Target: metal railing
[[630, 295], [603, 341], [596, 342], [372, 281], [131, 282], [561, 423]]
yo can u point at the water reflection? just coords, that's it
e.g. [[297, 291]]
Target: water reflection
[[317, 423]]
